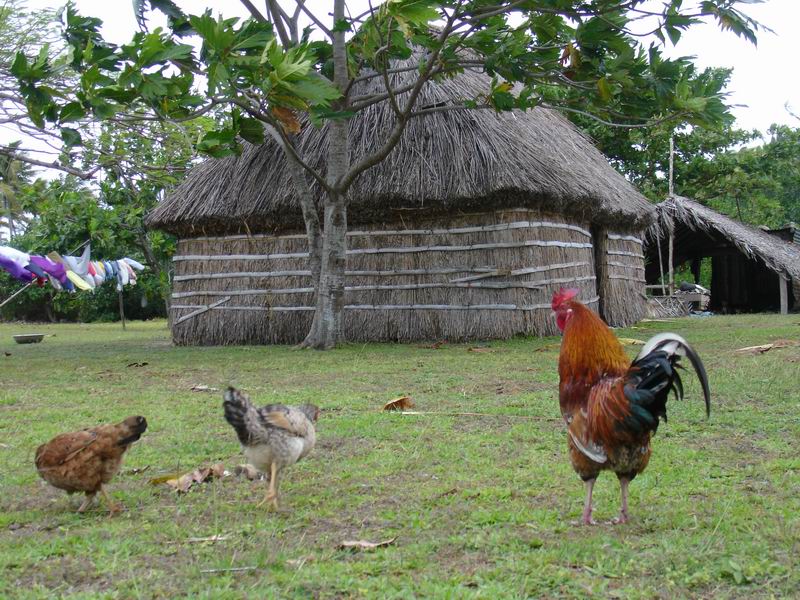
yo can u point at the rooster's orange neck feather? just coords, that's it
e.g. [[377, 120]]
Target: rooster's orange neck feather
[[589, 353]]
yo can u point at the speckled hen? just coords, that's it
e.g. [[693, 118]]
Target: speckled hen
[[273, 437]]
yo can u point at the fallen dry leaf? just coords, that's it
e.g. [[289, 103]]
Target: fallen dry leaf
[[203, 388], [755, 349], [761, 349], [630, 342], [163, 478], [478, 349], [433, 346], [401, 403], [365, 545], [184, 483], [785, 343]]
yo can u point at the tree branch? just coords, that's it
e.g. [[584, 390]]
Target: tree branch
[[254, 11]]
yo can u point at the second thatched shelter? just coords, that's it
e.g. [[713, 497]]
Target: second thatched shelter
[[751, 270], [463, 232]]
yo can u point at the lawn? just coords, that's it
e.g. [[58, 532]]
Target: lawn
[[481, 505]]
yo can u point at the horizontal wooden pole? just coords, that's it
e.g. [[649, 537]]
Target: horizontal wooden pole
[[494, 285], [625, 253], [625, 277], [525, 271], [301, 273], [624, 265], [509, 307], [399, 250], [626, 238], [382, 232]]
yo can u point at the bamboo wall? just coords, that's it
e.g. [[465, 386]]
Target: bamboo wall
[[468, 277]]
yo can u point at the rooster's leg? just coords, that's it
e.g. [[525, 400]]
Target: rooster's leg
[[113, 507], [86, 502], [587, 505], [623, 510]]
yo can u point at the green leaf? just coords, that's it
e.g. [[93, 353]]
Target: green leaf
[[19, 67], [72, 111], [314, 90], [251, 130], [71, 137], [341, 25]]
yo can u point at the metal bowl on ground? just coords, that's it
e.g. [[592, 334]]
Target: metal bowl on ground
[[29, 338]]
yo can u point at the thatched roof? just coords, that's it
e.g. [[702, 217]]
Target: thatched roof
[[754, 243], [448, 161]]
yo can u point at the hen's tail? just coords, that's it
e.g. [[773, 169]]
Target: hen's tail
[[654, 374], [236, 405]]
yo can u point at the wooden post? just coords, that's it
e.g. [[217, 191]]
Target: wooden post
[[661, 266], [784, 287], [121, 310], [671, 165], [600, 243], [669, 260]]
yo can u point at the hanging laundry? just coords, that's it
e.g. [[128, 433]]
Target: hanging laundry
[[69, 272], [16, 270], [78, 281], [134, 263], [15, 255], [54, 269]]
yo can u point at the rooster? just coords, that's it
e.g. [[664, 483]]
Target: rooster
[[84, 461], [612, 407], [273, 437]]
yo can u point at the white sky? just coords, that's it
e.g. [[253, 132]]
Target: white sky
[[764, 78]]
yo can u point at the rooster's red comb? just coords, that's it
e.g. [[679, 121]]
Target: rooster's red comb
[[563, 295]]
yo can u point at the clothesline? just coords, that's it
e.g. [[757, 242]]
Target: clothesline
[[66, 272]]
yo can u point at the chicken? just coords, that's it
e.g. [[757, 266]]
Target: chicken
[[273, 437], [611, 406], [86, 460]]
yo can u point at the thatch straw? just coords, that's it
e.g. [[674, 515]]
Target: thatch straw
[[480, 282], [446, 162]]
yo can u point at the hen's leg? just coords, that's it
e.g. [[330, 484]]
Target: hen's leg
[[113, 507], [623, 510], [86, 502], [586, 519], [272, 490]]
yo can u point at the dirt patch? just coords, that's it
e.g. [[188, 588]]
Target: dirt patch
[[65, 573]]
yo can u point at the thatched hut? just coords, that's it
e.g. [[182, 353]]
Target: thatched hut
[[751, 270], [462, 233]]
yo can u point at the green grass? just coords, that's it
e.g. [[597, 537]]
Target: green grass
[[481, 504]]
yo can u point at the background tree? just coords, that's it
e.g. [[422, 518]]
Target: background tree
[[63, 214], [266, 70], [13, 174]]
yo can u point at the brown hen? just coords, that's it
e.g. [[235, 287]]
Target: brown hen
[[83, 461]]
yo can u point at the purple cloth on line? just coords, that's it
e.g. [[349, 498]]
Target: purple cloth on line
[[37, 270], [17, 271], [51, 268]]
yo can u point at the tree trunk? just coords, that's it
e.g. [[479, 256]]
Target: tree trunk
[[327, 328]]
